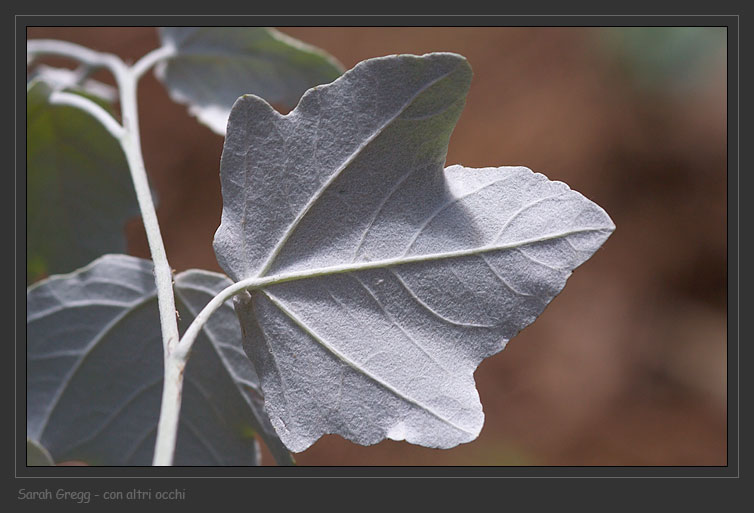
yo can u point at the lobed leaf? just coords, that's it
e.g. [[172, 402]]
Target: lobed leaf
[[383, 279], [95, 370], [212, 66]]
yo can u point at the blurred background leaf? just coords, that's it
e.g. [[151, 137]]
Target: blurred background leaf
[[78, 186], [213, 66], [674, 58]]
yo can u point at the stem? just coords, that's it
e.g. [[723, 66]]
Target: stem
[[183, 349], [167, 426], [85, 104], [170, 411], [150, 59], [132, 148], [128, 136], [73, 51]]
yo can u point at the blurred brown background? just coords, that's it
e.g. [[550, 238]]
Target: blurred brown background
[[627, 366]]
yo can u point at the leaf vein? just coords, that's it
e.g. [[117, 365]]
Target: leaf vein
[[398, 325], [114, 414], [87, 351], [307, 330], [347, 162], [524, 209], [503, 280], [431, 310], [448, 204]]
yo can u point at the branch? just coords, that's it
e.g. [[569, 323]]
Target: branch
[[167, 426], [90, 107], [150, 59], [128, 136], [73, 51]]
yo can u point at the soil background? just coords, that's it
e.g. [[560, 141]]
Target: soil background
[[628, 365]]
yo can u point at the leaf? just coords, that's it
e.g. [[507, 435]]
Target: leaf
[[212, 66], [79, 192], [379, 280], [95, 370], [36, 455]]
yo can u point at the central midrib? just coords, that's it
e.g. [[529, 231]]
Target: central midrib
[[259, 282]]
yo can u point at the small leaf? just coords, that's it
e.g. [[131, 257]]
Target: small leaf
[[79, 192], [383, 280], [36, 455], [212, 66], [95, 370]]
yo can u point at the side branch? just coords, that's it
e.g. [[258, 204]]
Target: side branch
[[88, 106], [76, 52], [150, 59]]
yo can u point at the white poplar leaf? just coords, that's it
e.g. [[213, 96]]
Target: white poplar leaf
[[95, 370], [381, 278], [210, 67]]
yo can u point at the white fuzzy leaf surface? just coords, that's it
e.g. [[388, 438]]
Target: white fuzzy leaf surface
[[385, 278]]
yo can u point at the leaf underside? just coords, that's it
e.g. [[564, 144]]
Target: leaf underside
[[213, 66], [79, 193], [95, 370], [389, 278]]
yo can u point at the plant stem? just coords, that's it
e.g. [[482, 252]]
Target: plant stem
[[73, 51], [183, 349], [167, 426], [128, 136], [170, 411], [142, 65], [87, 105], [132, 148]]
